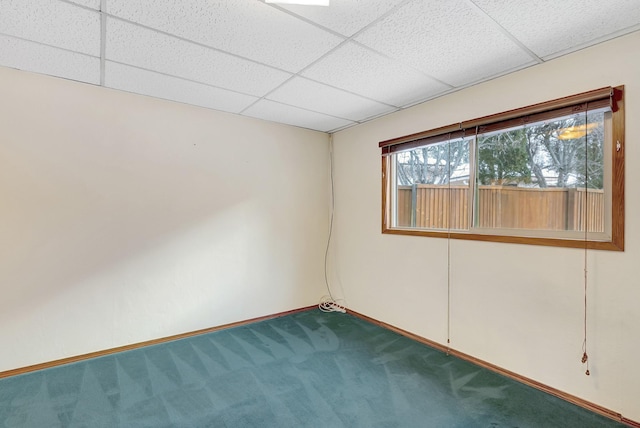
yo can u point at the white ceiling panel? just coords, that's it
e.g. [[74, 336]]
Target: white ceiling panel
[[276, 112], [250, 29], [450, 41], [323, 68], [360, 70], [321, 98], [131, 79], [31, 56], [93, 4], [551, 26], [53, 23], [345, 16], [134, 45]]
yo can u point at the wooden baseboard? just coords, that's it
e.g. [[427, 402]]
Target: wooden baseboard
[[522, 379], [41, 366], [630, 422], [515, 376]]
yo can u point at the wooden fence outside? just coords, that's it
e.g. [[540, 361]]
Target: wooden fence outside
[[427, 206]]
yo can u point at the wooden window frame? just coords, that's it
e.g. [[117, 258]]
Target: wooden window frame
[[612, 96]]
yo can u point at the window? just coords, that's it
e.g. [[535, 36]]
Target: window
[[547, 174]]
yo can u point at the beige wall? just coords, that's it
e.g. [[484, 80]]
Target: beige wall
[[125, 218], [519, 307]]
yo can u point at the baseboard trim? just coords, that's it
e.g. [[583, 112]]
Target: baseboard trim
[[630, 422], [515, 376], [481, 363], [77, 358]]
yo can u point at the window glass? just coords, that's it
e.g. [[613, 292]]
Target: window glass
[[547, 174], [432, 186], [543, 176]]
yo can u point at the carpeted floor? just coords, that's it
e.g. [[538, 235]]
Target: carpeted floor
[[308, 369]]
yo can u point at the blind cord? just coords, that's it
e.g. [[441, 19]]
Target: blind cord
[[449, 249], [449, 286], [585, 209]]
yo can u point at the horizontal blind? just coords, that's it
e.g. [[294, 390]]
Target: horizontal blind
[[565, 106]]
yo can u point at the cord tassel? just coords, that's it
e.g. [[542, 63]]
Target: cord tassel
[[585, 359]]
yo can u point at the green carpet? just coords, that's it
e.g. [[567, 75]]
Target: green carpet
[[308, 369]]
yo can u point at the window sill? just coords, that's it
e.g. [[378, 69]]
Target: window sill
[[549, 242]]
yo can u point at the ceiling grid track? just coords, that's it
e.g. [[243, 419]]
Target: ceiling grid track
[[103, 39], [326, 54], [504, 31], [193, 42], [48, 45], [315, 67]]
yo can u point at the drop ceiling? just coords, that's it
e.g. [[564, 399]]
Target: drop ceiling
[[322, 68]]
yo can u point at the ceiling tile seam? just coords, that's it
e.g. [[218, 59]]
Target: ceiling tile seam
[[330, 51], [304, 19], [297, 74], [104, 14], [381, 17], [255, 102], [348, 91], [181, 78], [300, 108], [504, 31], [611, 36], [441, 94], [468, 85], [81, 6], [329, 30], [560, 53], [194, 42], [311, 64], [265, 96], [403, 64], [318, 59], [335, 48], [103, 39], [343, 36], [48, 45], [53, 46], [352, 39]]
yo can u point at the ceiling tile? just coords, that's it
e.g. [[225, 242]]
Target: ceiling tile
[[321, 98], [450, 41], [360, 70], [249, 29], [144, 82], [276, 112], [548, 27], [53, 23], [134, 45], [345, 16], [38, 58], [93, 4]]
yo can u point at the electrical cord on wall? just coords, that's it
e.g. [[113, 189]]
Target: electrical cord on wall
[[328, 303]]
